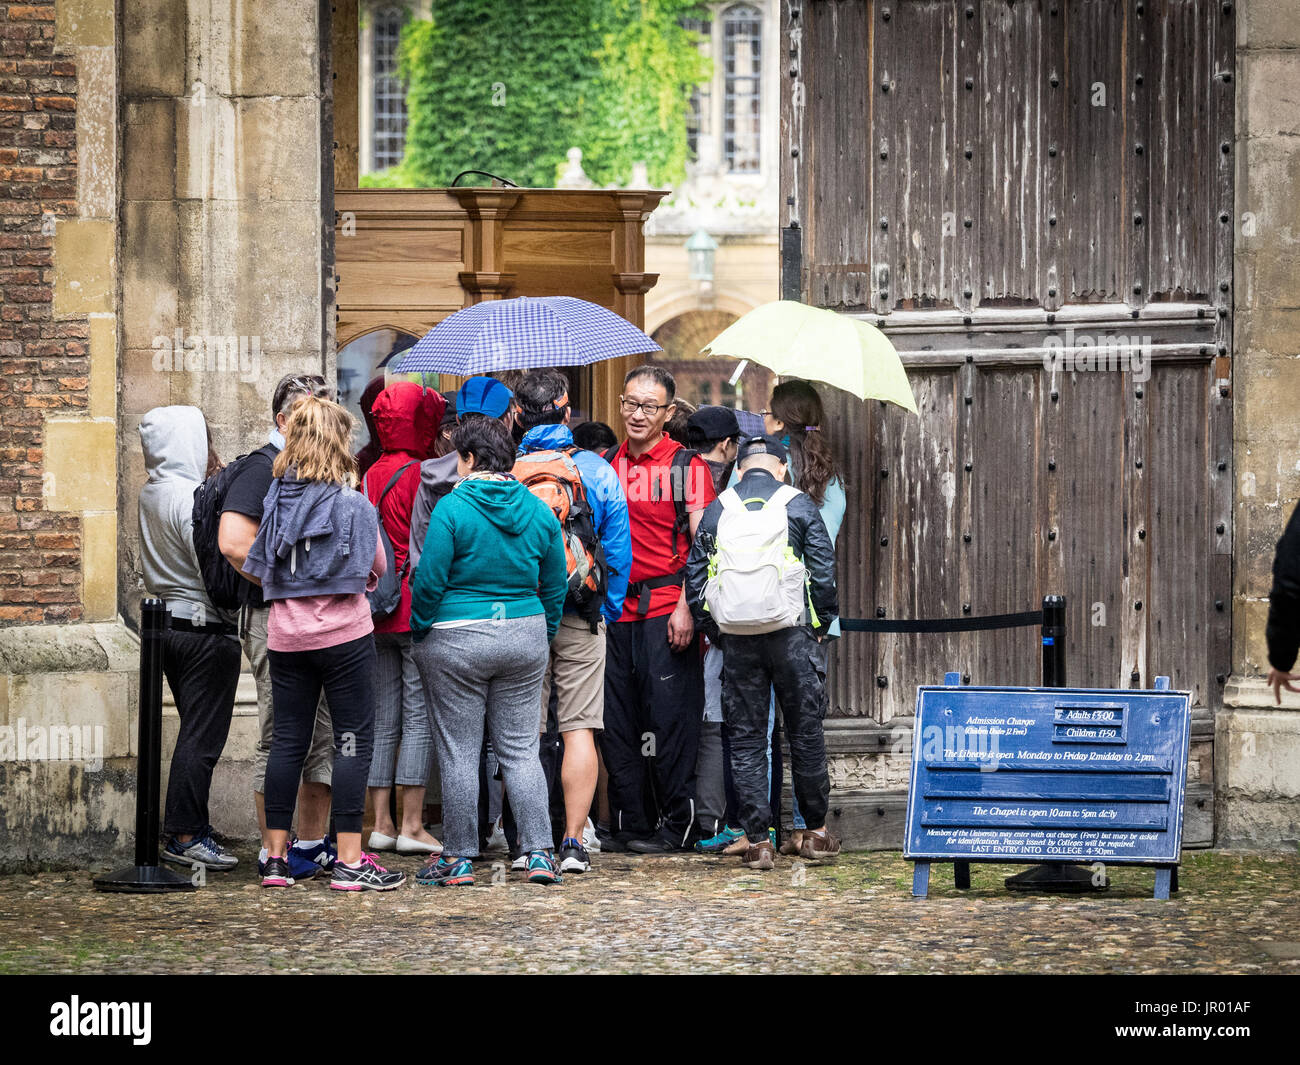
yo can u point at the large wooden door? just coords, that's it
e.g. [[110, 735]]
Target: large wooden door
[[993, 182]]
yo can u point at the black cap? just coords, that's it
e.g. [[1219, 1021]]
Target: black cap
[[449, 412], [714, 423], [767, 444]]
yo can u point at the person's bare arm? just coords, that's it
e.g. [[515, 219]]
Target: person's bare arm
[[235, 537]]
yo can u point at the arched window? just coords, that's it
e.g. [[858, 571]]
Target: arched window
[[373, 354], [742, 57], [389, 139]]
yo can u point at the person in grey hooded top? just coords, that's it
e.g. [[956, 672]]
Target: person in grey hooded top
[[201, 645]]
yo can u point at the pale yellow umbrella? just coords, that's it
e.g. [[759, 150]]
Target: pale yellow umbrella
[[795, 340]]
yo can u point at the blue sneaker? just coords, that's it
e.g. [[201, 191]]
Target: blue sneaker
[[439, 872], [719, 843], [542, 868], [307, 862]]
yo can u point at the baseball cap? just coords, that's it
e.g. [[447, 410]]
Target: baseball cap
[[714, 423], [483, 395], [449, 412], [765, 444]]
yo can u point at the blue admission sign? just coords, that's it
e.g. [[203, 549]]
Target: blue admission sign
[[1047, 775]]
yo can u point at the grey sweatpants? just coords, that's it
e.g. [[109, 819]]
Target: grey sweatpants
[[489, 671], [401, 719]]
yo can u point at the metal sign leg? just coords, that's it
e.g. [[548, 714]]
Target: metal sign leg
[[921, 880]]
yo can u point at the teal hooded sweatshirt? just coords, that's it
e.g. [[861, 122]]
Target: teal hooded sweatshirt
[[493, 550]]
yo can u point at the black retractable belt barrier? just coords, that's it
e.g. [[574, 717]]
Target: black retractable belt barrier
[[986, 621], [146, 876]]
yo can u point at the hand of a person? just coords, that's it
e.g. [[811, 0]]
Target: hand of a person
[[681, 627], [1277, 680]]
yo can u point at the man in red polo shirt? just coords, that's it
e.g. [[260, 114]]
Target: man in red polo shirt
[[654, 679]]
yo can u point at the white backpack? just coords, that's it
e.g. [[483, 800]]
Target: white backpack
[[755, 583]]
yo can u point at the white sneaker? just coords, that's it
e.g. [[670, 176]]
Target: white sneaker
[[497, 841], [520, 863], [589, 838]]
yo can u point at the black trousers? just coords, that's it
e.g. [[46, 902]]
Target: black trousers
[[792, 662], [347, 674], [551, 753], [654, 700], [202, 670]]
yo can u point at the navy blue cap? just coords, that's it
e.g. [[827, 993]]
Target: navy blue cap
[[483, 395], [714, 423], [765, 444]]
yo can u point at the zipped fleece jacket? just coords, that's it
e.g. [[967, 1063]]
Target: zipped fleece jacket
[[608, 509], [438, 476], [493, 551], [315, 539]]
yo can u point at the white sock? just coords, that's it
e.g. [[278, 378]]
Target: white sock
[[263, 854], [305, 843]]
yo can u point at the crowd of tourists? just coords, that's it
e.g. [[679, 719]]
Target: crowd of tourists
[[584, 642]]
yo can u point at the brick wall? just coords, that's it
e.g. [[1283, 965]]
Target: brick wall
[[44, 364]]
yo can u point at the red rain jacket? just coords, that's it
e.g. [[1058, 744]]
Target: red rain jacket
[[406, 417]]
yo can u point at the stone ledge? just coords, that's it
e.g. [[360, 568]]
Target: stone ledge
[[1253, 693], [107, 646]]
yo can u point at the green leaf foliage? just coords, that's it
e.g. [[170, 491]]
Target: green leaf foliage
[[508, 86]]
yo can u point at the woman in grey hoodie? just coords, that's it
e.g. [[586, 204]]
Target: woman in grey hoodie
[[201, 644]]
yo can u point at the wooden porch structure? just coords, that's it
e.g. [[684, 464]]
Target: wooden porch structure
[[407, 258]]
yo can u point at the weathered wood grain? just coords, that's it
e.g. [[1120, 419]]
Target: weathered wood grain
[[1075, 236]]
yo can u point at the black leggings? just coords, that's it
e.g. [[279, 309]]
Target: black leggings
[[347, 673]]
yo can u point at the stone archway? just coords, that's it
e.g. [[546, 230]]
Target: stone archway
[[705, 380]]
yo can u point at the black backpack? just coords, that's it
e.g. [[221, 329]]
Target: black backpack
[[387, 596], [678, 471], [226, 587]]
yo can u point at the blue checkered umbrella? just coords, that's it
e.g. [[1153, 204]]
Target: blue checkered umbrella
[[750, 424], [523, 333]]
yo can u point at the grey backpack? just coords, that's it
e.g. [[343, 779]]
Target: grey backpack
[[387, 596]]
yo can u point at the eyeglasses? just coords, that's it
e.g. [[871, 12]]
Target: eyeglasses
[[630, 406]]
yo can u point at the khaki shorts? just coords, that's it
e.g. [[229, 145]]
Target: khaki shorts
[[319, 766], [577, 668]]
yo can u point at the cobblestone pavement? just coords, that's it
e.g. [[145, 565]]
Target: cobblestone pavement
[[1235, 914]]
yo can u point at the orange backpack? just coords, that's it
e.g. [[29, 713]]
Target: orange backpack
[[553, 477]]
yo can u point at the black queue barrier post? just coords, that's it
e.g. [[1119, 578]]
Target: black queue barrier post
[[1053, 641], [1065, 877], [146, 876]]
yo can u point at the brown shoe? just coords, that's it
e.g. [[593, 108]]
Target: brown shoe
[[793, 843], [741, 846], [760, 855], [819, 846]]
